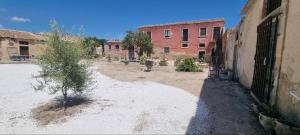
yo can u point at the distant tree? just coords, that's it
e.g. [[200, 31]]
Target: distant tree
[[143, 44], [63, 69], [90, 44], [102, 42], [128, 44], [139, 42]]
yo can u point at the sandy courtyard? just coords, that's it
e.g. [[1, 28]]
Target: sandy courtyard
[[191, 82], [118, 107]]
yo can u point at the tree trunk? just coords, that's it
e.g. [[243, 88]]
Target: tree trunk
[[103, 52], [65, 94]]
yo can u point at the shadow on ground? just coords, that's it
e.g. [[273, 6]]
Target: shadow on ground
[[55, 111], [229, 111]]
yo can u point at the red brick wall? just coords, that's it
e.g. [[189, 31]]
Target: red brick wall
[[175, 41]]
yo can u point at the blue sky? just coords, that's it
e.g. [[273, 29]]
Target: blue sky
[[112, 18]]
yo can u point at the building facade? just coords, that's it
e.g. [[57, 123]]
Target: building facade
[[19, 45], [194, 38], [267, 55], [112, 47]]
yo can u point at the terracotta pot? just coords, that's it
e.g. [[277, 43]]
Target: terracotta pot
[[266, 121], [282, 128]]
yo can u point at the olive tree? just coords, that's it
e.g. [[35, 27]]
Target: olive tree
[[140, 41], [63, 67]]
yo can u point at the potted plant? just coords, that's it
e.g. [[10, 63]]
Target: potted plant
[[149, 65]]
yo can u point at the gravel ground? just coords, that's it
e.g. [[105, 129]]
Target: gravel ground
[[118, 107], [228, 104]]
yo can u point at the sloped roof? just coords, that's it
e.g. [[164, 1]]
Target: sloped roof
[[6, 33], [187, 22]]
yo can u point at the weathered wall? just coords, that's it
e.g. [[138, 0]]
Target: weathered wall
[[230, 42], [175, 41], [247, 45], [288, 99], [12, 46]]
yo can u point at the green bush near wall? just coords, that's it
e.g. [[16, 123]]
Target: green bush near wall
[[188, 65]]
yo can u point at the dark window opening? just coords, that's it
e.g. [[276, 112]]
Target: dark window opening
[[23, 42], [185, 45], [117, 47], [202, 32], [271, 5], [24, 51], [149, 34], [185, 35], [201, 55], [166, 50], [109, 47], [217, 32], [236, 36], [201, 45]]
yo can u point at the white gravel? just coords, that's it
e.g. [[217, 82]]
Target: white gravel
[[132, 107]]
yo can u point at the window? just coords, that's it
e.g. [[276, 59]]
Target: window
[[166, 50], [201, 55], [236, 36], [201, 45], [185, 46], [117, 47], [185, 35], [217, 33], [271, 5], [23, 42], [167, 33], [149, 34], [202, 32]]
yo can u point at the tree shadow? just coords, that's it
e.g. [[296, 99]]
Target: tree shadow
[[55, 111], [229, 110]]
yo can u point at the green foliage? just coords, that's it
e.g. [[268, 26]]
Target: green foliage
[[90, 44], [140, 41], [143, 59], [188, 65], [62, 66], [128, 40]]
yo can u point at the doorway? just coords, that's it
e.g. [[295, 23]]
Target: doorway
[[201, 55], [24, 51], [263, 77]]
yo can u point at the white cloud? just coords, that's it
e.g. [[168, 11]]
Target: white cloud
[[20, 19]]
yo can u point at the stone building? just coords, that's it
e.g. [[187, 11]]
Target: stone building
[[193, 38], [267, 55], [19, 45], [112, 47]]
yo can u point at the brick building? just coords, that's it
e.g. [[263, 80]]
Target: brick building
[[193, 38]]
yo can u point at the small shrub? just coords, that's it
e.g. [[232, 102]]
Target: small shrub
[[188, 65], [163, 61], [143, 59]]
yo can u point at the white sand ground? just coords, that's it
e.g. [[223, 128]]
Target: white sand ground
[[131, 107]]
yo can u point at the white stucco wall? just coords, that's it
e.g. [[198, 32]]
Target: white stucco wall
[[289, 82], [247, 47]]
